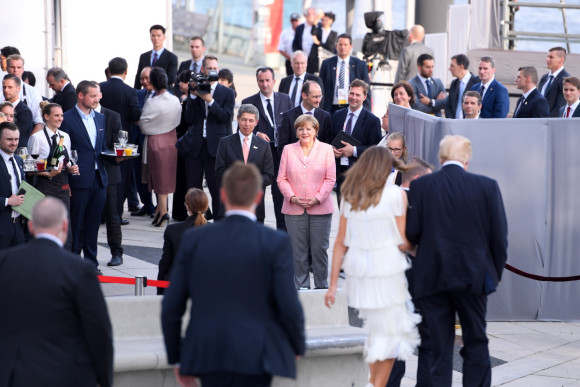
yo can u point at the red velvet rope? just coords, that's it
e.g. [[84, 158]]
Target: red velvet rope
[[541, 277], [131, 281]]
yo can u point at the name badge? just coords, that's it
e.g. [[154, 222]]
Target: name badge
[[342, 96]]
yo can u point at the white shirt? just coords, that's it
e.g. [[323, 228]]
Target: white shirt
[[454, 162], [307, 40], [39, 139], [207, 106], [286, 38], [463, 82], [346, 61], [304, 110], [265, 106], [90, 126], [13, 181], [572, 108], [325, 34], [247, 214], [32, 98], [355, 114], [554, 74], [199, 64], [242, 138], [298, 84], [486, 85]]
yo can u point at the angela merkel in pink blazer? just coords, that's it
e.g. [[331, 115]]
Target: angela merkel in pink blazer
[[306, 178]]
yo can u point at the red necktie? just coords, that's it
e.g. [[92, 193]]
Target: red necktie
[[568, 112]]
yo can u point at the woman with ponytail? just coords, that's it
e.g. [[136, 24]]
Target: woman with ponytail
[[196, 203]]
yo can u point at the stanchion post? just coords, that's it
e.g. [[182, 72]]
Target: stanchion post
[[140, 282]]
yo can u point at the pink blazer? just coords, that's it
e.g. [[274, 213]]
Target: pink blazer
[[314, 177]]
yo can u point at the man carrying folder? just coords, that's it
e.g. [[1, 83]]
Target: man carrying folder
[[11, 175], [360, 128]]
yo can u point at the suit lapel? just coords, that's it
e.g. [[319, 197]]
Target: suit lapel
[[260, 107], [298, 152], [81, 126], [359, 123], [254, 149], [421, 86], [5, 175], [237, 147]]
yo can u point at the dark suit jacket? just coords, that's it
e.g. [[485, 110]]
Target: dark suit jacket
[[458, 221], [287, 133], [554, 94], [112, 127], [171, 243], [88, 155], [66, 98], [358, 70], [245, 315], [282, 103], [535, 106], [219, 122], [563, 109], [330, 45], [496, 101], [230, 150], [23, 119], [57, 332], [286, 82], [122, 98], [167, 60], [453, 98], [367, 130], [436, 88], [6, 192]]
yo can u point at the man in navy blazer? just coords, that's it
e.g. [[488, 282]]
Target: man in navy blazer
[[360, 123], [292, 84], [86, 129], [495, 97], [210, 116], [65, 94], [269, 126], [159, 56], [531, 104], [335, 91], [463, 82], [246, 322], [430, 94], [458, 222], [571, 93], [551, 84], [311, 97], [11, 232]]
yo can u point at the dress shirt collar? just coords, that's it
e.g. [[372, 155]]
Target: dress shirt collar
[[304, 110], [557, 72], [264, 98], [527, 94], [242, 137], [5, 156], [454, 162], [83, 115], [65, 85], [405, 189], [15, 103], [159, 52], [247, 214], [573, 107], [50, 237], [423, 79], [299, 76], [117, 77], [356, 113], [345, 60], [488, 83], [98, 108], [466, 78]]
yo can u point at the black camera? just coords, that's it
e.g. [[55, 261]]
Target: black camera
[[201, 83]]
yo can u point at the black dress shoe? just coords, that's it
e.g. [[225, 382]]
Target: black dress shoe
[[141, 212], [99, 272], [124, 222], [134, 209], [116, 260]]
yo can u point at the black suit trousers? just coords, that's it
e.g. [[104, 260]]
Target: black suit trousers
[[179, 212], [113, 220], [13, 235], [277, 196], [439, 312], [195, 167]]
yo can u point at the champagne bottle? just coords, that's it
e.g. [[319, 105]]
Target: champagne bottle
[[57, 154]]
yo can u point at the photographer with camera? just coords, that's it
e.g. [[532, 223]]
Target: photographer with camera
[[209, 113]]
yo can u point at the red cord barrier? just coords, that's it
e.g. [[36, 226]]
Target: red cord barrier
[[540, 277], [131, 281]]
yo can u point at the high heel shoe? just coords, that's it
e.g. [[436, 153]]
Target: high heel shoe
[[156, 218], [162, 220]]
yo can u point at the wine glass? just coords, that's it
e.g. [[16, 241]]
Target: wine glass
[[22, 152], [74, 156], [123, 137], [35, 151]]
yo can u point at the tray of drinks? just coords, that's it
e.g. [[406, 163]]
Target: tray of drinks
[[121, 153], [34, 166]]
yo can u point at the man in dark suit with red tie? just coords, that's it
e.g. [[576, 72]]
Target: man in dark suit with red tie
[[551, 84], [338, 72], [246, 323], [458, 223], [159, 56], [531, 104], [571, 93], [271, 105], [358, 122], [86, 129], [11, 175]]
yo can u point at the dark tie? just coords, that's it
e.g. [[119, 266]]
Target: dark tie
[[155, 57], [341, 77], [519, 105], [550, 79], [16, 172], [270, 112], [481, 90], [54, 141], [195, 67], [428, 83], [568, 112], [310, 113], [348, 127], [294, 91]]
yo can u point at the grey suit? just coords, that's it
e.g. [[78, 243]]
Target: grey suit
[[436, 88], [407, 68]]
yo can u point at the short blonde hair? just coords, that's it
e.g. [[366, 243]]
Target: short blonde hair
[[305, 119], [455, 147]]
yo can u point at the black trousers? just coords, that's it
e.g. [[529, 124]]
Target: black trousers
[[195, 167], [113, 220], [439, 312], [277, 196], [124, 188], [178, 209], [13, 234], [142, 188], [231, 379]]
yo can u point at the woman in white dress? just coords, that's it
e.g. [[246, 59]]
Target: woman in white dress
[[369, 246]]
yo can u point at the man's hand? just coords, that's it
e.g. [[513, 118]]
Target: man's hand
[[185, 380], [337, 152], [73, 169], [206, 97], [425, 100], [441, 95], [347, 150], [15, 200], [263, 136]]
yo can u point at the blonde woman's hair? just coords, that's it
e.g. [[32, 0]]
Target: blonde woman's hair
[[365, 180], [399, 136]]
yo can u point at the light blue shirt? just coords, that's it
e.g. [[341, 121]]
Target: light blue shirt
[[89, 122], [159, 52]]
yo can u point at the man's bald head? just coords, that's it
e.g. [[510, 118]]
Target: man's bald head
[[416, 33], [49, 216]]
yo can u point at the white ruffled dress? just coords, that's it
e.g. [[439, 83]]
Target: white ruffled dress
[[376, 284]]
